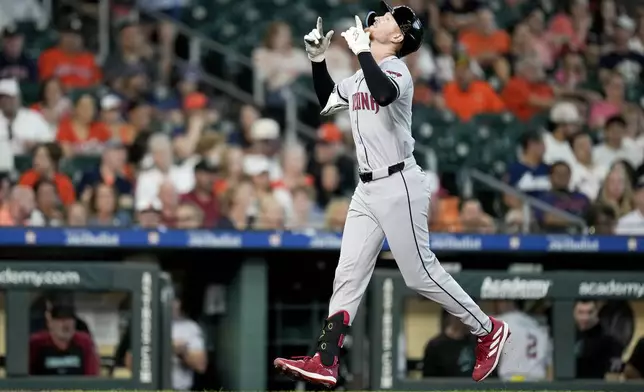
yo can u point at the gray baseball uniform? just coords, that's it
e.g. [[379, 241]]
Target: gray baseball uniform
[[393, 206]]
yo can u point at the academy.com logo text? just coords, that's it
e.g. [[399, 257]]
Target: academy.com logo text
[[10, 276], [611, 288]]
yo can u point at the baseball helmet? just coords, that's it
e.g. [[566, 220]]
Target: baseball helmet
[[408, 22]]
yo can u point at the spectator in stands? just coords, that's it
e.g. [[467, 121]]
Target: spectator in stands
[[572, 72], [264, 135], [240, 204], [189, 216], [613, 104], [329, 185], [271, 214], [597, 352], [451, 353], [28, 11], [149, 181], [305, 213], [528, 93], [62, 350], [535, 20], [615, 146], [486, 42], [279, 64], [14, 63], [521, 48], [587, 173], [560, 196], [45, 167], [69, 61], [132, 52], [569, 29], [20, 208], [328, 151], [293, 161], [203, 195], [242, 136], [232, 169], [633, 222], [257, 167], [621, 58], [20, 128], [473, 219], [139, 118], [564, 123], [148, 214], [76, 215], [48, 202], [112, 120], [617, 191], [110, 171], [529, 174], [105, 209], [467, 97], [459, 14], [80, 134], [133, 86], [445, 64], [601, 219], [634, 369], [335, 214], [169, 199], [52, 103]]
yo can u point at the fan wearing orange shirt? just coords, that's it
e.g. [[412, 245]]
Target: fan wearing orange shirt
[[485, 42], [527, 93], [45, 167], [111, 118], [467, 97], [80, 133], [68, 61]]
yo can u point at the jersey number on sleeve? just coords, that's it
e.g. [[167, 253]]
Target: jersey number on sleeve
[[531, 348]]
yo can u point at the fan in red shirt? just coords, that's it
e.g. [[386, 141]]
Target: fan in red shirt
[[202, 195], [61, 350]]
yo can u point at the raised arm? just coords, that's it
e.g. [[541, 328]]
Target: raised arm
[[316, 44]]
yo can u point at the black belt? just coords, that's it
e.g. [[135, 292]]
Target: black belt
[[368, 176]]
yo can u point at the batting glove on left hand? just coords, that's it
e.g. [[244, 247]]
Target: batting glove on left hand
[[358, 40]]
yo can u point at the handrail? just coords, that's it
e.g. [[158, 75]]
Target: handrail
[[500, 186]]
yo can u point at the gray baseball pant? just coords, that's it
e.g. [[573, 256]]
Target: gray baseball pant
[[396, 207]]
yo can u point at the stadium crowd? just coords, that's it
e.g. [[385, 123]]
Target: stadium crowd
[[138, 141]]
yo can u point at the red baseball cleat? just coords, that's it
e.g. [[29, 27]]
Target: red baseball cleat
[[489, 349], [309, 369]]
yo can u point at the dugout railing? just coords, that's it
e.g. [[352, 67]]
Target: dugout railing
[[388, 293], [150, 292]]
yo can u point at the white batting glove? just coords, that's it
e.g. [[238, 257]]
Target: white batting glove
[[358, 39], [316, 43]]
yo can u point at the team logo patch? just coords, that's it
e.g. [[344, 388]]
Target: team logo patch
[[396, 74]]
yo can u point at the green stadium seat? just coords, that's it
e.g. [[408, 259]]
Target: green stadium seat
[[79, 164], [22, 163]]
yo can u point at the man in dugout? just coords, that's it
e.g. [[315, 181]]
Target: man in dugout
[[61, 350]]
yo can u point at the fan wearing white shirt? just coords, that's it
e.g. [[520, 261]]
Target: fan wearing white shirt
[[149, 181], [587, 175], [564, 123], [633, 222], [615, 146], [20, 128]]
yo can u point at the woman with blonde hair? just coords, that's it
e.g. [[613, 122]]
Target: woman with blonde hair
[[617, 191], [336, 214]]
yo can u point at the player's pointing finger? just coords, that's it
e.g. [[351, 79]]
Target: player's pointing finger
[[319, 26], [359, 23]]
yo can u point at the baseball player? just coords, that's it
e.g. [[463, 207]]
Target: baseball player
[[528, 353], [392, 198]]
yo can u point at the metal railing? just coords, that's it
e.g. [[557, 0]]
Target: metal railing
[[528, 202]]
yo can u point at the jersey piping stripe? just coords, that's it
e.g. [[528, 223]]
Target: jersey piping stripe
[[337, 90], [366, 156], [397, 87], [413, 232]]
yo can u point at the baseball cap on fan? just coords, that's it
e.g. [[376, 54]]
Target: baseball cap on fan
[[329, 133], [110, 102], [255, 165], [9, 88], [565, 113], [265, 129]]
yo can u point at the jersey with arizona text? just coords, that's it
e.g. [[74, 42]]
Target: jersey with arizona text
[[382, 135], [528, 352]]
